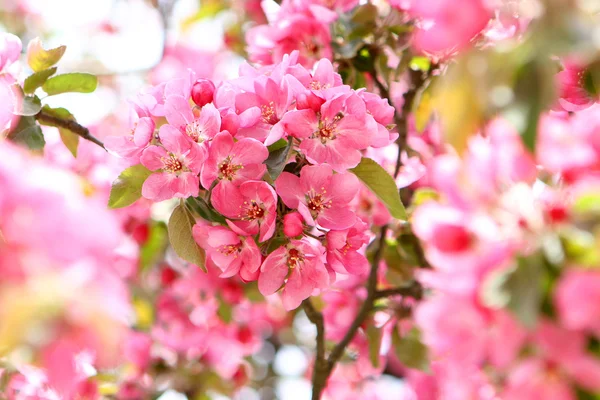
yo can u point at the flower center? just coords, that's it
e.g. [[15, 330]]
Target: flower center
[[295, 257], [230, 249], [268, 113], [252, 211], [327, 130], [171, 164], [194, 130], [316, 85], [317, 201], [227, 170]]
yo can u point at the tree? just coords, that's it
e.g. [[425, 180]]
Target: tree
[[416, 183]]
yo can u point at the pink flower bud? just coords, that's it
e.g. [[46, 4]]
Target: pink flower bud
[[292, 224], [202, 92]]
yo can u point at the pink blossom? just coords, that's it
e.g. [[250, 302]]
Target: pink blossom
[[335, 135], [180, 115], [343, 249], [177, 164], [369, 208], [303, 262], [235, 162], [573, 94], [232, 253], [448, 25], [202, 92], [252, 207], [8, 99], [272, 98], [320, 196], [137, 350], [577, 299], [10, 50], [293, 224], [268, 44], [132, 145]]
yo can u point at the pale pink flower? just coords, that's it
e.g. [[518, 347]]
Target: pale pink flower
[[137, 350], [448, 25], [272, 98], [320, 196], [267, 44], [303, 262], [345, 247], [335, 135], [10, 50], [232, 253], [179, 114], [235, 162], [176, 163], [132, 145], [251, 207]]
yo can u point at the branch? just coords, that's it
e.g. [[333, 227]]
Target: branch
[[69, 124], [316, 318], [414, 290]]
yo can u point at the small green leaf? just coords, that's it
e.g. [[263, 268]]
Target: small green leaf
[[410, 350], [524, 287], [181, 238], [70, 140], [278, 159], [280, 144], [127, 188], [201, 208], [381, 184], [29, 133], [30, 106], [40, 59], [37, 79], [72, 82], [374, 336]]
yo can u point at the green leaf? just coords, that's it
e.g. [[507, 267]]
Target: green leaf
[[198, 206], [152, 251], [587, 203], [410, 350], [40, 59], [70, 140], [280, 144], [374, 336], [37, 79], [127, 188], [181, 238], [30, 106], [29, 133], [278, 159], [72, 82], [381, 184], [524, 287]]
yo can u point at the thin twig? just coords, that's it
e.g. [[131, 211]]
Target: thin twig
[[73, 126], [414, 290]]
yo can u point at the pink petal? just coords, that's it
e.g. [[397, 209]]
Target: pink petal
[[178, 111], [158, 187], [273, 272], [151, 157], [288, 188]]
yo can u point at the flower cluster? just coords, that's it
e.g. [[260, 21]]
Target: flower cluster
[[293, 226], [493, 225]]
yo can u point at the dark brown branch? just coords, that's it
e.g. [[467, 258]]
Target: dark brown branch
[[414, 290], [73, 126]]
